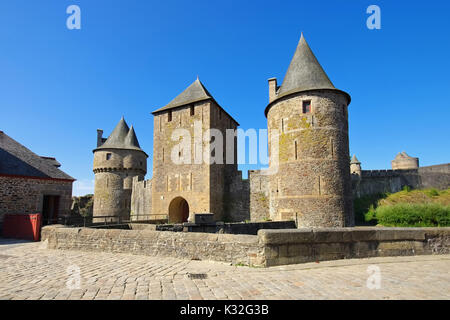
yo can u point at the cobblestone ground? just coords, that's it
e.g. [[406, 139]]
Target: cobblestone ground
[[30, 271]]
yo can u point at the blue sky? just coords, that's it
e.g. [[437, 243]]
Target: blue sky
[[57, 86]]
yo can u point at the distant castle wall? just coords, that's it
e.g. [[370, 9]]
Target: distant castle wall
[[380, 181]]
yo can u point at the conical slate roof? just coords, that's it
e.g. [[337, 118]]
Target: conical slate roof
[[354, 159], [194, 93], [122, 137], [131, 139], [304, 72]]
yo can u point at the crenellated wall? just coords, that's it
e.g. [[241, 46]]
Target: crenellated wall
[[381, 181]]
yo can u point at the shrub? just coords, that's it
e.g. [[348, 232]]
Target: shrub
[[411, 215], [365, 205], [432, 192]]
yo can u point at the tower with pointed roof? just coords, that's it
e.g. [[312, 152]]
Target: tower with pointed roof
[[191, 178], [117, 160], [311, 182], [355, 166]]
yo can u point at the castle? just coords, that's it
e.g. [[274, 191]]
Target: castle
[[308, 179]]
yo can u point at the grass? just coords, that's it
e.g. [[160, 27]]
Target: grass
[[407, 208]]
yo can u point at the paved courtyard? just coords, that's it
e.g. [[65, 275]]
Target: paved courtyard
[[31, 271]]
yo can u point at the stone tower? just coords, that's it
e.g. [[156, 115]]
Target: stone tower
[[116, 161], [404, 162], [355, 166], [193, 177], [310, 181]]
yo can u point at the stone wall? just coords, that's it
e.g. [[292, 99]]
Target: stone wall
[[259, 195], [237, 198], [268, 248], [141, 200], [307, 245], [237, 249], [381, 181], [26, 195]]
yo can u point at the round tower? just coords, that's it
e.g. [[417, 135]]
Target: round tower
[[310, 181], [405, 162], [116, 161]]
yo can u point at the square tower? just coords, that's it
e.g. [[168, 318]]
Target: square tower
[[193, 160]]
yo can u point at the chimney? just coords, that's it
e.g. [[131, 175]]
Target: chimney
[[99, 137], [272, 89]]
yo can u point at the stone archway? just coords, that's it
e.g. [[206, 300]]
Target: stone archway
[[178, 210]]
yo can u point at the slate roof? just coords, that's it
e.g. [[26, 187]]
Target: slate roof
[[354, 159], [15, 159], [196, 92], [304, 73], [52, 161], [122, 137]]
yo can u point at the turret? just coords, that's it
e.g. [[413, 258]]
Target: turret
[[355, 166], [116, 161], [404, 162], [308, 116]]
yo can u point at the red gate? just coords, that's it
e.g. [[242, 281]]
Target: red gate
[[22, 226]]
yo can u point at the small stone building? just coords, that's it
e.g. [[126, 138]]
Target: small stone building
[[32, 184]]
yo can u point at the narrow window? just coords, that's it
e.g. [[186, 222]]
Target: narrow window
[[108, 156], [295, 143], [307, 106], [169, 116], [282, 125], [192, 110], [163, 155]]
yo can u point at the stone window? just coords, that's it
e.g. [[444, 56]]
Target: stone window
[[169, 116], [108, 156], [192, 110], [307, 106]]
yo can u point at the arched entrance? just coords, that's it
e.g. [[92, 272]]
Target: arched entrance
[[178, 210]]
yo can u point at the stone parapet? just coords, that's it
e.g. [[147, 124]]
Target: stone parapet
[[268, 248]]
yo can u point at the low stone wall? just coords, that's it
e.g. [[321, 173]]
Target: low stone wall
[[236, 249], [268, 248], [307, 245]]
